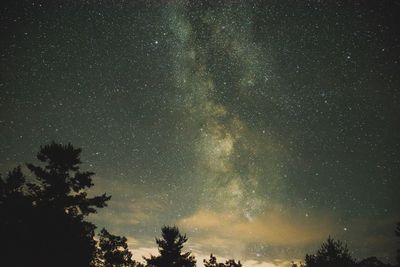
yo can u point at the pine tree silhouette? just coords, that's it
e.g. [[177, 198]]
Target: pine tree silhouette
[[170, 249], [45, 219], [331, 254]]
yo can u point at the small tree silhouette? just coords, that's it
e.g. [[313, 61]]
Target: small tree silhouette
[[331, 254], [170, 249], [232, 263], [212, 262]]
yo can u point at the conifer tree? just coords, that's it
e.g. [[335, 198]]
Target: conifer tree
[[114, 250], [332, 253], [170, 248], [45, 219]]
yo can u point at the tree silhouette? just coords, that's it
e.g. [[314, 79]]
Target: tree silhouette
[[331, 254], [372, 262], [212, 262], [170, 249], [15, 216], [114, 250], [62, 184], [232, 263], [45, 219]]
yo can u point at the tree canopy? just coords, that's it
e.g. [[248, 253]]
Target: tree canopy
[[45, 218], [372, 262], [332, 253], [170, 249], [212, 262], [114, 250]]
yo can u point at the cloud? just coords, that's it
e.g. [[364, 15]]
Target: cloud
[[129, 204], [253, 263], [140, 252], [227, 231]]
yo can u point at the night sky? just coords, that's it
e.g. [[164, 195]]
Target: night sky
[[258, 127]]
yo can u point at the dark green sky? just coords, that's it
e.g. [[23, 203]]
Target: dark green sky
[[258, 127]]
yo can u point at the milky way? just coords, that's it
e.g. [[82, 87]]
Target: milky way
[[258, 127]]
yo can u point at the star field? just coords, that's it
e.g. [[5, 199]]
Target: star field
[[258, 127]]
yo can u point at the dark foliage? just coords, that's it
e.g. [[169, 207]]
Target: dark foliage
[[43, 222], [114, 251], [212, 262], [372, 262], [170, 249], [331, 254]]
